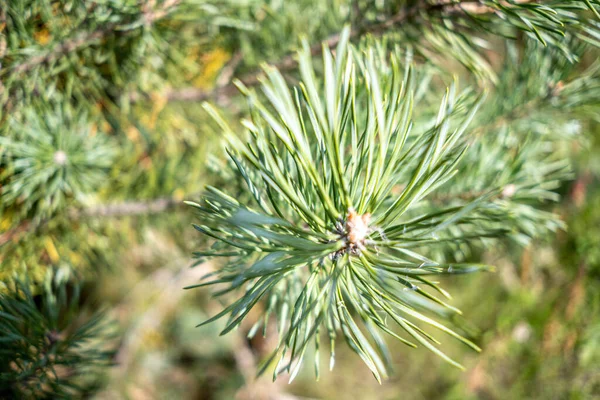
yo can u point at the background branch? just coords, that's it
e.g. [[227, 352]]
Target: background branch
[[123, 209], [127, 208], [289, 62], [85, 39]]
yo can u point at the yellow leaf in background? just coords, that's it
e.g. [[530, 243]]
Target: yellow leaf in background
[[5, 222], [42, 36], [51, 249], [212, 63]]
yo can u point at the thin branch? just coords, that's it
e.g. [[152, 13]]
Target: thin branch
[[507, 192], [123, 209], [61, 49], [83, 40], [443, 198], [228, 71], [289, 62], [127, 208], [163, 204], [163, 303]]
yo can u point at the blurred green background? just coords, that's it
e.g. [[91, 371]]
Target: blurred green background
[[131, 76]]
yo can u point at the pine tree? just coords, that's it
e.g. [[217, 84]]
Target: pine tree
[[354, 151]]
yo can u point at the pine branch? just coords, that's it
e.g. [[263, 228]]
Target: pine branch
[[63, 48], [343, 206], [81, 41], [290, 62], [330, 228], [50, 349]]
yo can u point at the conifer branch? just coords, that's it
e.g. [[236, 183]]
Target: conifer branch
[[290, 62], [50, 349], [336, 231], [351, 182], [83, 40], [334, 240], [60, 49]]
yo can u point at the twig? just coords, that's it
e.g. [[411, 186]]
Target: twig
[[63, 48], [256, 388], [163, 304], [245, 360], [507, 192], [78, 42], [228, 70], [162, 204], [127, 208], [580, 188], [289, 62], [448, 197], [162, 293]]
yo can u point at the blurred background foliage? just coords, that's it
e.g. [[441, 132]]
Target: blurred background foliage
[[102, 135]]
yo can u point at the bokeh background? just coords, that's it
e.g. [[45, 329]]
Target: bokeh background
[[115, 88]]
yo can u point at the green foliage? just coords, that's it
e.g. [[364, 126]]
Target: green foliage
[[586, 228], [344, 190], [276, 26], [468, 31], [51, 158], [50, 348], [89, 53], [341, 224]]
